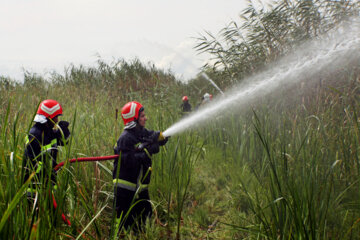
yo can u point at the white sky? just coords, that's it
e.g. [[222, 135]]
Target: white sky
[[45, 35]]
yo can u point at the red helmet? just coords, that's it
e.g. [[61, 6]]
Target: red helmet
[[185, 98], [130, 111], [49, 108]]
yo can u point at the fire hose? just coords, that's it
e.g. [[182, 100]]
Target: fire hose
[[64, 218], [84, 159]]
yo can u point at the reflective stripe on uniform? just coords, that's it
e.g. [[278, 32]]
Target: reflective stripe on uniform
[[49, 146], [45, 148], [129, 185], [124, 184], [132, 186]]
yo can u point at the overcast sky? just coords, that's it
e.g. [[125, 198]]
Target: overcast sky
[[46, 35]]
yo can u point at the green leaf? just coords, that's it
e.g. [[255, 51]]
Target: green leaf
[[15, 201]]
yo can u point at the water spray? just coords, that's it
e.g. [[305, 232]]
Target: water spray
[[331, 52], [212, 82]]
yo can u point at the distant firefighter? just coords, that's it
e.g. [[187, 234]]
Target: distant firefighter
[[206, 98], [185, 106]]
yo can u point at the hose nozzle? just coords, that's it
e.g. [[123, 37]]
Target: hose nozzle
[[161, 137]]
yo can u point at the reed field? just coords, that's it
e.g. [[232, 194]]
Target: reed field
[[284, 167]]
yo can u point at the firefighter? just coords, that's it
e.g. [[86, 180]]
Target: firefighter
[[185, 106], [206, 98], [41, 145], [132, 170]]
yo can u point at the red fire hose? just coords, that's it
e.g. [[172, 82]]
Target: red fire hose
[[62, 214], [84, 159]]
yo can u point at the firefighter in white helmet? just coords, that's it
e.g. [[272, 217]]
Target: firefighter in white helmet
[[207, 98]]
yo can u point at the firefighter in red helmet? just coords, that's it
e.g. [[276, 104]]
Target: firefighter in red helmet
[[132, 170], [41, 145], [185, 106]]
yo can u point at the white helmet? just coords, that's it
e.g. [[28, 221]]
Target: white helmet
[[206, 97]]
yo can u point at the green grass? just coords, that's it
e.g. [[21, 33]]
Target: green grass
[[286, 167], [258, 174]]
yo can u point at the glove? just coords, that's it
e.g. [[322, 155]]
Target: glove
[[64, 127], [154, 137], [153, 148], [163, 142], [64, 124]]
